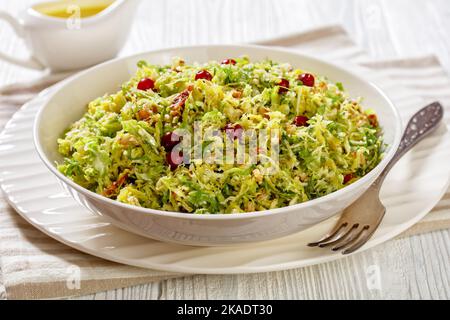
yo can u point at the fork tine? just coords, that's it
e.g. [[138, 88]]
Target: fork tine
[[343, 236], [337, 227], [360, 242], [348, 242]]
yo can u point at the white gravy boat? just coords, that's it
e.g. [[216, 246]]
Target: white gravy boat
[[65, 44]]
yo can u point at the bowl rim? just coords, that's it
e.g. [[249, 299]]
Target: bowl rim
[[221, 216]]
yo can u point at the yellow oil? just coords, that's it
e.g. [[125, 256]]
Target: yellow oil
[[69, 8]]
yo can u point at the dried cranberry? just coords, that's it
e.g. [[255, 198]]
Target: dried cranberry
[[229, 61], [234, 131], [348, 178], [146, 84], [373, 120], [203, 74], [307, 79], [170, 140], [174, 159], [284, 86], [301, 121]]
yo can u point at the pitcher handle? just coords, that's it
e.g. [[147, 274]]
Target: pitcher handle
[[31, 62]]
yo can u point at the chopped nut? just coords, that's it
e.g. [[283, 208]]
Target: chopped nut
[[250, 206], [144, 114], [237, 94], [127, 140], [264, 112]]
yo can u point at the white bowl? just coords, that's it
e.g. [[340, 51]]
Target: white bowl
[[68, 104]]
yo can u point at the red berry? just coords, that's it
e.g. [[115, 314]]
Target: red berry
[[348, 177], [203, 74], [170, 140], [229, 61], [307, 79], [146, 84], [234, 131], [174, 159], [301, 121], [284, 85]]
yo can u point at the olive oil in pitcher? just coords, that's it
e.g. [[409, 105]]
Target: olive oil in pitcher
[[67, 8]]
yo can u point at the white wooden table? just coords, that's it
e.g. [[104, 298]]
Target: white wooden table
[[417, 267]]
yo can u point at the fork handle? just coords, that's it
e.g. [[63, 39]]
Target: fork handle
[[425, 121]]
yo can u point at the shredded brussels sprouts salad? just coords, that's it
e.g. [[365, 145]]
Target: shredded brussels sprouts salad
[[127, 147]]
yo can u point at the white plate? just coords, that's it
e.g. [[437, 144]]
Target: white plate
[[412, 189]]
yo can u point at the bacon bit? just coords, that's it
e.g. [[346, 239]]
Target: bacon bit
[[348, 178], [154, 109], [112, 189], [122, 179], [179, 101], [373, 120], [144, 114], [237, 94]]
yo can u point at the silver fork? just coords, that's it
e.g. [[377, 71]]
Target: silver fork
[[359, 221]]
